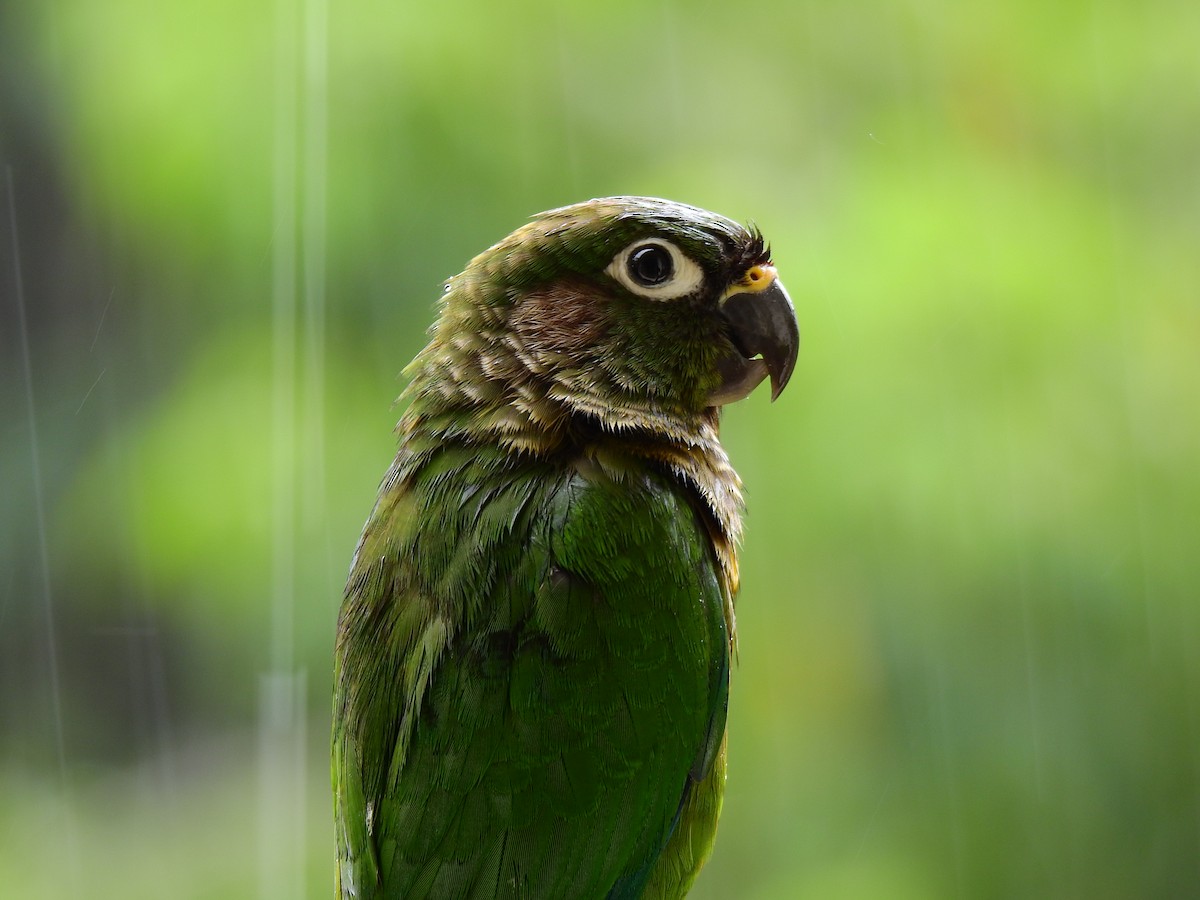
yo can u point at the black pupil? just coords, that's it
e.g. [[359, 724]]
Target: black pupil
[[650, 265]]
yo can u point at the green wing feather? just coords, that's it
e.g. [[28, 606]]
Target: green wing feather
[[556, 729]]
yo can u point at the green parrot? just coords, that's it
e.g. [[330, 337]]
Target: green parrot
[[533, 653]]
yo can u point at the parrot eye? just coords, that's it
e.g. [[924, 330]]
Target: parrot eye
[[656, 269], [650, 265]]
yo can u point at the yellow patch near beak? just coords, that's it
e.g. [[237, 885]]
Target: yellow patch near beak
[[757, 278]]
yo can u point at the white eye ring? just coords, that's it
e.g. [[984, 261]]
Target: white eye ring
[[682, 278]]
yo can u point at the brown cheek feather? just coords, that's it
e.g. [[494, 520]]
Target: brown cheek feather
[[561, 319]]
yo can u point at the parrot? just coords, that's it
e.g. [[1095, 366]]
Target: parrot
[[533, 651]]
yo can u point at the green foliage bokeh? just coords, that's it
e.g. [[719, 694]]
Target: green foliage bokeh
[[970, 620]]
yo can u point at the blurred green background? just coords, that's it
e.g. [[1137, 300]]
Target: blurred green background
[[970, 619]]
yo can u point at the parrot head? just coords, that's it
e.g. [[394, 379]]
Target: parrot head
[[635, 312]]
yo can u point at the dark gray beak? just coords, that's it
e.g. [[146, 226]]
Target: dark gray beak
[[762, 323]]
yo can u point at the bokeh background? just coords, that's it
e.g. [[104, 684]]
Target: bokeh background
[[970, 622]]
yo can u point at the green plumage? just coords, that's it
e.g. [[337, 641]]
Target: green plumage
[[533, 652]]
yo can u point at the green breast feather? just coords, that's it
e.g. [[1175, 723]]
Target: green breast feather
[[533, 653]]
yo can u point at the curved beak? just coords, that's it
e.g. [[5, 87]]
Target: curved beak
[[762, 323]]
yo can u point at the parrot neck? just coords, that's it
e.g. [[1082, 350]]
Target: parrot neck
[[457, 396], [556, 428]]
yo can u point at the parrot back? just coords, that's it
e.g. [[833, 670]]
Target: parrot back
[[532, 673]]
